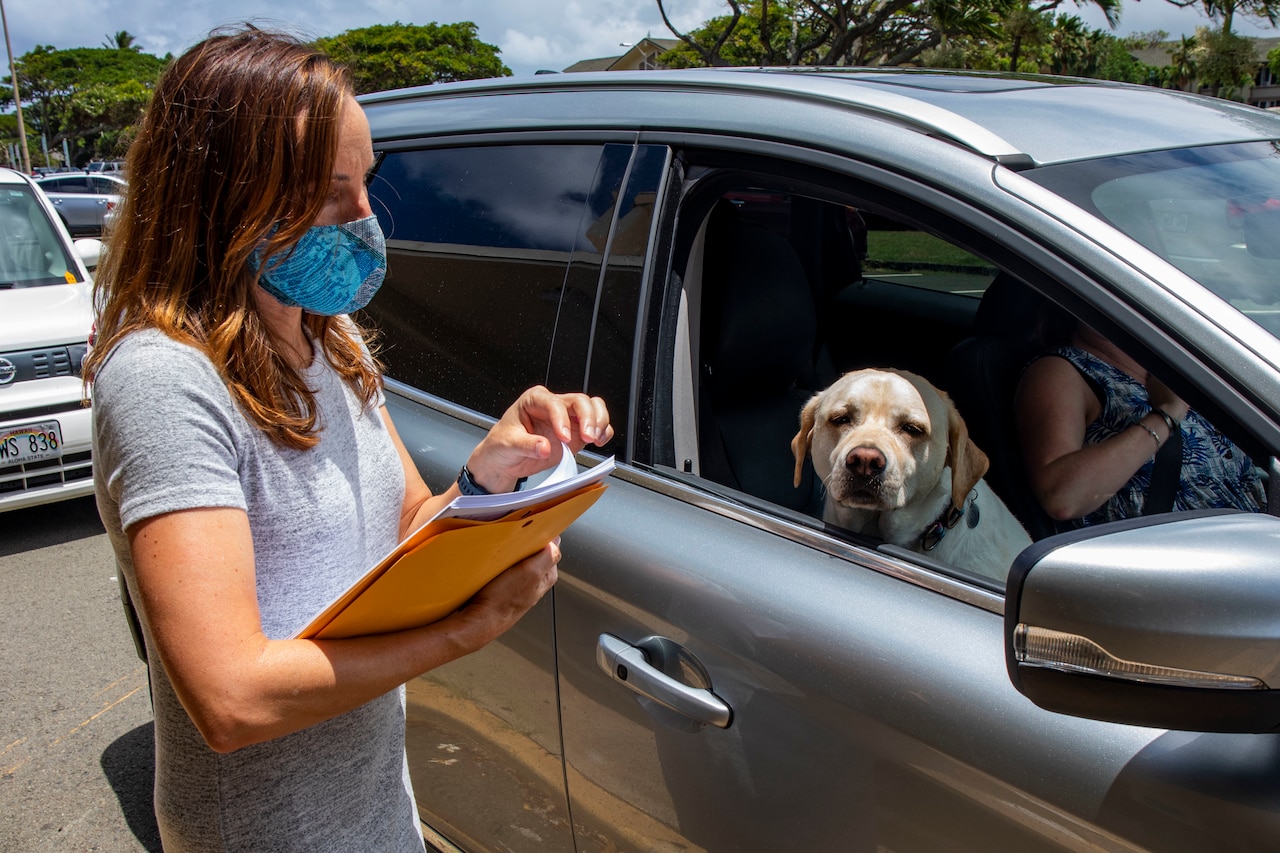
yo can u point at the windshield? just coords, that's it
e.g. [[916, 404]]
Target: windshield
[[32, 253], [1212, 212]]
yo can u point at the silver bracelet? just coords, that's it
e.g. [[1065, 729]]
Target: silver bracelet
[[1154, 437], [1168, 419]]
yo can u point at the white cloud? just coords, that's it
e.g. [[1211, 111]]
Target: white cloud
[[522, 50]]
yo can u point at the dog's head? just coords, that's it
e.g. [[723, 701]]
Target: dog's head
[[881, 438]]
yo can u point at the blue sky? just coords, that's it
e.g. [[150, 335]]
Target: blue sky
[[532, 34]]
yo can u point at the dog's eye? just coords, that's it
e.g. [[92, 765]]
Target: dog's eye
[[912, 430], [840, 420]]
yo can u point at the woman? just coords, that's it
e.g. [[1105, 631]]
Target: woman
[[1091, 419], [247, 470]]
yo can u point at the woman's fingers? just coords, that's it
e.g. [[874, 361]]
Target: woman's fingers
[[501, 603], [525, 440], [574, 419]]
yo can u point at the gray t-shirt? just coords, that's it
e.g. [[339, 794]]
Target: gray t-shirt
[[168, 436]]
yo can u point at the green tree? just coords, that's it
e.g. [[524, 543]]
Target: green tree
[[393, 56], [1182, 63], [1116, 62], [868, 32], [848, 32], [88, 96], [1226, 63], [757, 32], [108, 114], [1069, 47], [1226, 10], [961, 20], [1024, 25]]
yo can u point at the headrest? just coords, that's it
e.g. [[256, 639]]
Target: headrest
[[763, 327], [1009, 309]]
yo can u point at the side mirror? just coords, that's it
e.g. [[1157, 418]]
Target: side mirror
[[1167, 621], [90, 251]]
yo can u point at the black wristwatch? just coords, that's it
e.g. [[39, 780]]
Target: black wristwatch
[[468, 485]]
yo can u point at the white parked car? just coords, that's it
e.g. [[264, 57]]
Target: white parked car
[[45, 320]]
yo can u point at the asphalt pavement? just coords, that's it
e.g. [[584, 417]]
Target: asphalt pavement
[[76, 756]]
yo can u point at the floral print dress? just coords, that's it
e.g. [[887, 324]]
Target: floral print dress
[[1215, 472]]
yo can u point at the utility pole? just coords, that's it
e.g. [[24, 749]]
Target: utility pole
[[17, 98]]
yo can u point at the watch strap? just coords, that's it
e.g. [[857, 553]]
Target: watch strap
[[468, 486]]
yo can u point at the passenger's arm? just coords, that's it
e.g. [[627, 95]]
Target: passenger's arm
[[1054, 405]]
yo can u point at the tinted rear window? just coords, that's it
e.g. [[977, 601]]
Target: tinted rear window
[[483, 243]]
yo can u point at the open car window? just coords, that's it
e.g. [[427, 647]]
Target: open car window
[[782, 293]]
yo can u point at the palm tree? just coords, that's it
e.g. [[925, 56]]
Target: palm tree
[[1182, 62], [1067, 46], [1023, 25], [962, 19], [122, 40], [1027, 23]]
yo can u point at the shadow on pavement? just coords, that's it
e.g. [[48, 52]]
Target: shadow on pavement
[[50, 524], [130, 767]]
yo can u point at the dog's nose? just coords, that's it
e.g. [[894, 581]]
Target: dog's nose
[[865, 461]]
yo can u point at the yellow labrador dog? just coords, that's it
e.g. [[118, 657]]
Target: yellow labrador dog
[[898, 464]]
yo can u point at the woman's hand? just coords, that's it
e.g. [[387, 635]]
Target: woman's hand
[[527, 438], [506, 598]]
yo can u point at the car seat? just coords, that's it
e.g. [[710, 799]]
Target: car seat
[[758, 352], [982, 375]]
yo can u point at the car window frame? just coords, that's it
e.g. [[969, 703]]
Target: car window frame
[[1082, 291], [601, 138]]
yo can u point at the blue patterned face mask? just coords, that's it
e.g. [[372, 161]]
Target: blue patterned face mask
[[333, 269]]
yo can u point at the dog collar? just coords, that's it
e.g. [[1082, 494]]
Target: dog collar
[[950, 517]]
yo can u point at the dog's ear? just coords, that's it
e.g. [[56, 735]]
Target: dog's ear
[[800, 444], [968, 463]]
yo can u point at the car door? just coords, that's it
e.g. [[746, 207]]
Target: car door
[[108, 191], [77, 202], [736, 674], [494, 284]]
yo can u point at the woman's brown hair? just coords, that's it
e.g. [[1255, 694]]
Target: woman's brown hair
[[241, 136]]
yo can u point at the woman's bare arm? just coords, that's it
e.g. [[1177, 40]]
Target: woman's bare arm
[[196, 583], [1054, 405]]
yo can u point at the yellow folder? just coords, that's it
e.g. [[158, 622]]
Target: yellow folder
[[437, 569]]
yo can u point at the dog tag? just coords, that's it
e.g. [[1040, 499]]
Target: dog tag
[[972, 515]]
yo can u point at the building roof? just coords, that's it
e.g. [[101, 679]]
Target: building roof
[[601, 64], [630, 60]]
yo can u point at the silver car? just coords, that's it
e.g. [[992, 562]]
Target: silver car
[[83, 201], [718, 669]]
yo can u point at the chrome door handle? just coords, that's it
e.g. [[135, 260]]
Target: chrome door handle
[[629, 666]]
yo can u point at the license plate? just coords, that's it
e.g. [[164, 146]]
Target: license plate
[[30, 443]]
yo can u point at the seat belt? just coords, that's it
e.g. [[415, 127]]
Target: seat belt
[[1166, 472]]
